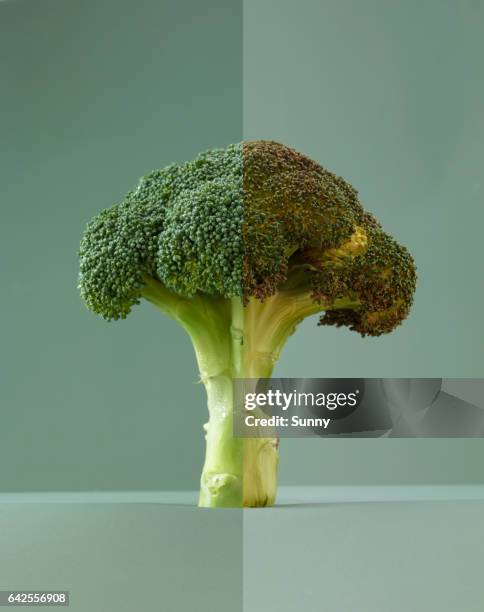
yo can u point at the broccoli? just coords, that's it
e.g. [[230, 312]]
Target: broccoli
[[238, 247]]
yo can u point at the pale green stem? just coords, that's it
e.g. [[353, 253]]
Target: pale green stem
[[234, 341]]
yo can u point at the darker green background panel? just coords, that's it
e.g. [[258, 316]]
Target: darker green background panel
[[95, 94], [120, 557]]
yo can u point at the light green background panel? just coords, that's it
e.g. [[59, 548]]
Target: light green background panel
[[95, 94], [390, 95]]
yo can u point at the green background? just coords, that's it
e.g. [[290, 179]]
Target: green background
[[390, 549], [389, 94], [120, 557], [96, 93], [365, 557]]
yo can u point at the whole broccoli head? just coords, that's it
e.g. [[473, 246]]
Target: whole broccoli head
[[239, 246], [244, 222]]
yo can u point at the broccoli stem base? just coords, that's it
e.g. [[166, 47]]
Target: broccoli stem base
[[221, 483]]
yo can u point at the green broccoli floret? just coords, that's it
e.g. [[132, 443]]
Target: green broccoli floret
[[239, 246]]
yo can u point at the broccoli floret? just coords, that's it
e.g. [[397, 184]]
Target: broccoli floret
[[239, 246], [181, 226], [305, 227]]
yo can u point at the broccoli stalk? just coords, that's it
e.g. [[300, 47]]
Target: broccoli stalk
[[238, 247], [215, 327], [236, 471]]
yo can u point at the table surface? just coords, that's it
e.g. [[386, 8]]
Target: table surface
[[331, 549]]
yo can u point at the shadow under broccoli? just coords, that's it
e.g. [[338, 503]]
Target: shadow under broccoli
[[239, 246]]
